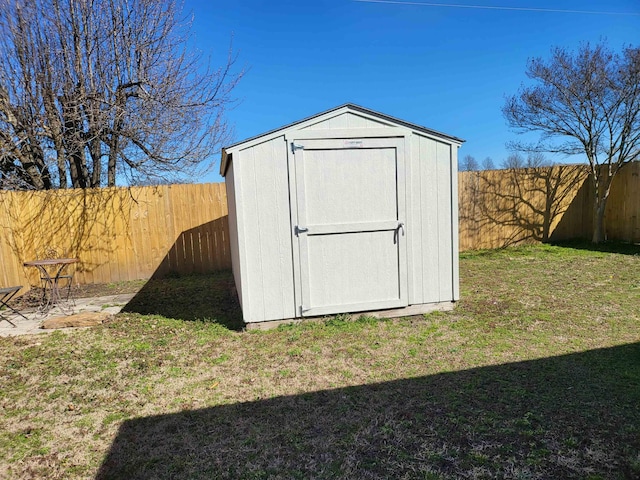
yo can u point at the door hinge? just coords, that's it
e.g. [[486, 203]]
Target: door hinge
[[295, 146], [300, 229]]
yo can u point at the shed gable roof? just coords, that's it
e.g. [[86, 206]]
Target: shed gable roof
[[319, 117]]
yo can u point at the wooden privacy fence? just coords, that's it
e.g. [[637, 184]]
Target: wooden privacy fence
[[498, 208], [141, 232], [117, 233]]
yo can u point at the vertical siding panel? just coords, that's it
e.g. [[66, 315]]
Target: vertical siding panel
[[243, 183], [445, 261], [232, 188], [264, 189], [271, 203], [293, 239], [286, 306], [253, 230], [455, 236], [414, 221], [430, 213]]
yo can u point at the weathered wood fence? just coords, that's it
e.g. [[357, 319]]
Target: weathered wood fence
[[141, 232], [498, 208], [117, 233]]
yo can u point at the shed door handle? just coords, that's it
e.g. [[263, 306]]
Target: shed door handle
[[396, 232], [300, 229]]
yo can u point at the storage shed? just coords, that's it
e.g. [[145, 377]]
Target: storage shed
[[349, 210]]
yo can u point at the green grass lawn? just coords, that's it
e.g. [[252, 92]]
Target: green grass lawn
[[535, 374]]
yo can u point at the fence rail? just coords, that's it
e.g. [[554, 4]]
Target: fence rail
[[140, 232]]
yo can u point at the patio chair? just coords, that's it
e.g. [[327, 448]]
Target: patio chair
[[6, 294]]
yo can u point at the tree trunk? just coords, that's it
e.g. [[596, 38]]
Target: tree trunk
[[95, 150], [598, 221], [111, 162]]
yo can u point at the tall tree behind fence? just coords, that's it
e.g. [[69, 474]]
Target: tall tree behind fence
[[117, 233], [141, 232]]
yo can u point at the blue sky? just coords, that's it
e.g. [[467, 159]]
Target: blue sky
[[445, 68]]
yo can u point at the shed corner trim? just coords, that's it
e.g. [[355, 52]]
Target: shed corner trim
[[226, 160]]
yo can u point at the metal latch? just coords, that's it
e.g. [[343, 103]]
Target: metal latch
[[295, 147], [396, 232], [300, 229]]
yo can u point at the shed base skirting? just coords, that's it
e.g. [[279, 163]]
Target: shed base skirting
[[396, 312]]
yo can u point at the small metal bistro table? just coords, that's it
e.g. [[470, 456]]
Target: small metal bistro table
[[51, 272]]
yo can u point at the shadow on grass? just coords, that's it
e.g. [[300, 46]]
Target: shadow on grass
[[607, 247], [573, 416], [207, 297]]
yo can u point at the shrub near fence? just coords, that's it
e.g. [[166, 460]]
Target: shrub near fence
[[118, 233], [141, 232]]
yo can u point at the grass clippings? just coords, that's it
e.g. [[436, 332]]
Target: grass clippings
[[535, 374]]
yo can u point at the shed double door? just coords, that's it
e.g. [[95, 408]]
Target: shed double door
[[348, 224]]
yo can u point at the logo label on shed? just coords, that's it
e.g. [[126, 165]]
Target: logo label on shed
[[353, 143]]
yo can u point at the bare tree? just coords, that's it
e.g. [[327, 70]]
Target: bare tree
[[587, 102], [487, 164], [533, 160], [513, 161], [111, 89], [468, 164]]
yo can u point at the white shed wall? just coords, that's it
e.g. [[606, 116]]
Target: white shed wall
[[430, 221], [233, 229], [265, 232]]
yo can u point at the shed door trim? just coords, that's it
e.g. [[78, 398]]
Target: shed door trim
[[316, 234]]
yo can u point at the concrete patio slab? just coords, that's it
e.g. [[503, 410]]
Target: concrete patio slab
[[110, 304]]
